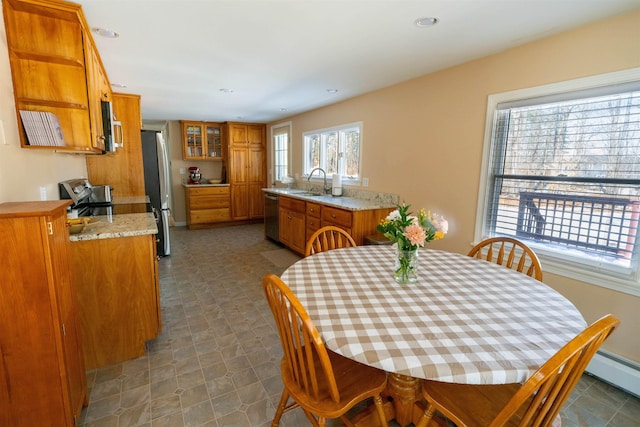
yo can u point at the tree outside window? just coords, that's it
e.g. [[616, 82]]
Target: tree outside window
[[336, 150]]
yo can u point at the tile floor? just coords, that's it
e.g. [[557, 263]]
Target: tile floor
[[216, 363]]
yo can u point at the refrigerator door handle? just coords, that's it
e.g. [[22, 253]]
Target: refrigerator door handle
[[165, 227]]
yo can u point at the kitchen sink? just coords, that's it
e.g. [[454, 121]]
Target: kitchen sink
[[309, 193]]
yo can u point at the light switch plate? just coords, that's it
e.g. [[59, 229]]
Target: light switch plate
[[3, 139]]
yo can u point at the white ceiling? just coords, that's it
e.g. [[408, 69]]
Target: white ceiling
[[286, 54]]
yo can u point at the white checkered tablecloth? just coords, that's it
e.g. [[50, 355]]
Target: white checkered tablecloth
[[465, 320]]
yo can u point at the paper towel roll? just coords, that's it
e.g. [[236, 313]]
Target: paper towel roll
[[336, 187]]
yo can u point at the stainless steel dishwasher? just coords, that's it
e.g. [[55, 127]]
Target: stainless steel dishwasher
[[271, 217]]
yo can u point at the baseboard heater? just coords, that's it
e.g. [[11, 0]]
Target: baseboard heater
[[616, 370]]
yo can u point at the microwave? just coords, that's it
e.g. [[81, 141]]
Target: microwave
[[112, 129]]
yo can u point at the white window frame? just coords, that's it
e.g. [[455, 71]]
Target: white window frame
[[627, 281], [274, 157], [346, 179]]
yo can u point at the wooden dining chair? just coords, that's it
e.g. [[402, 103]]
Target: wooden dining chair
[[511, 253], [537, 402], [323, 383], [327, 238]]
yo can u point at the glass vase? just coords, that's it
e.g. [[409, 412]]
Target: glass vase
[[406, 266]]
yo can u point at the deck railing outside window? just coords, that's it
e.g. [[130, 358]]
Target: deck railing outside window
[[606, 225]]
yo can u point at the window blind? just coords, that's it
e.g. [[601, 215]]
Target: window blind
[[566, 172]]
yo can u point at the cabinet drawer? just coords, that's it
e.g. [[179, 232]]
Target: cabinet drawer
[[313, 209], [209, 215], [312, 227], [292, 204], [335, 216], [208, 202], [211, 191], [313, 223]]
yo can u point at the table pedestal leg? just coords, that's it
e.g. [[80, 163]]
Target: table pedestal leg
[[406, 406], [405, 392]]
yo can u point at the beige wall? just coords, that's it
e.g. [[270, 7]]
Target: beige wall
[[423, 139]]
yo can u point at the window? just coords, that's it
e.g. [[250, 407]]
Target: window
[[281, 137], [562, 173], [336, 150]]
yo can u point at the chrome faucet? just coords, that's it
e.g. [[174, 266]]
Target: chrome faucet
[[325, 188]]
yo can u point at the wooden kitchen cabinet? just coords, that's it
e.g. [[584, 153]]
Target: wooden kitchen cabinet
[[56, 68], [207, 205], [299, 219], [313, 218], [42, 372], [119, 297], [292, 223], [122, 170], [358, 223], [337, 217], [201, 141], [246, 169]]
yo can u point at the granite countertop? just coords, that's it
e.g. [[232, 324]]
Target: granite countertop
[[112, 226], [343, 202], [204, 185]]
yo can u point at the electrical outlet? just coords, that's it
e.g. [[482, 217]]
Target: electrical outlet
[[183, 171], [365, 182], [43, 193]]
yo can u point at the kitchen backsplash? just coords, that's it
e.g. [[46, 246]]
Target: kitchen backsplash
[[380, 198]]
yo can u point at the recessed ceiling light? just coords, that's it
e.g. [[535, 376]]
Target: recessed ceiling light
[[283, 109], [105, 32], [118, 85], [426, 22], [332, 90], [225, 90]]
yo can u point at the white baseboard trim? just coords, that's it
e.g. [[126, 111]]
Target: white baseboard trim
[[616, 370], [180, 224]]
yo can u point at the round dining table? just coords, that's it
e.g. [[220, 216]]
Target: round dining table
[[465, 320]]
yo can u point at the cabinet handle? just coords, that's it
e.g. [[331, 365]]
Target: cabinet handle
[[333, 216], [288, 217]]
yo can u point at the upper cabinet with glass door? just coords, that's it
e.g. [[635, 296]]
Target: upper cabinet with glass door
[[201, 141]]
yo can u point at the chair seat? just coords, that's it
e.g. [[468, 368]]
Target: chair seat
[[481, 403], [537, 401], [355, 381]]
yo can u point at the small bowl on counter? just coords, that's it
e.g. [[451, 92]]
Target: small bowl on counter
[[78, 225], [215, 181]]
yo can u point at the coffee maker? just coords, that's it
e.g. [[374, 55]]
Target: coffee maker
[[194, 175]]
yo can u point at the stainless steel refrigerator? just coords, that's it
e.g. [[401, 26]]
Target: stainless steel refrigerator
[[155, 159]]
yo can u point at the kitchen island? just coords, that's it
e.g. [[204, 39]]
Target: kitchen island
[[115, 269]]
